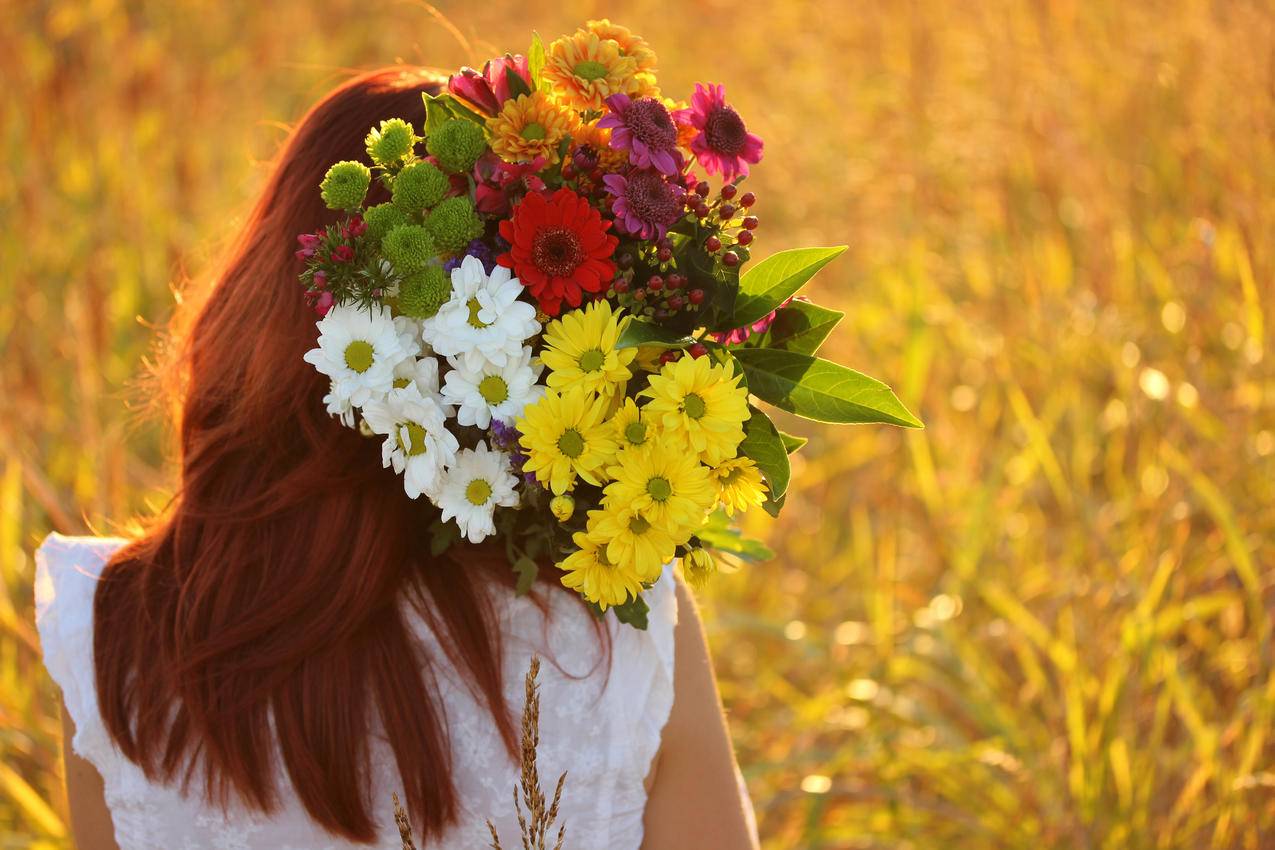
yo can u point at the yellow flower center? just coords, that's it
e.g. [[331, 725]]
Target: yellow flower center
[[590, 70], [571, 443], [639, 525], [693, 406], [635, 432], [534, 132], [659, 489], [358, 355], [731, 475], [415, 444], [478, 492], [400, 383], [592, 360], [493, 389], [474, 321]]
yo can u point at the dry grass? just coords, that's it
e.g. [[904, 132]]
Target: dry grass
[[1042, 622]]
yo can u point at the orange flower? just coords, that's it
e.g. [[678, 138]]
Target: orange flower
[[529, 126], [585, 70]]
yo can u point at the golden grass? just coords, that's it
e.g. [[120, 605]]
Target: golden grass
[[1042, 622]]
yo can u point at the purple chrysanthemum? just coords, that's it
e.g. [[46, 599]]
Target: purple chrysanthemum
[[723, 145], [646, 130], [646, 204]]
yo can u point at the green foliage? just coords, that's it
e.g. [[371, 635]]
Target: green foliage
[[721, 535], [421, 294], [345, 185], [457, 144], [419, 187], [801, 327], [819, 389], [409, 248], [453, 224], [639, 332], [536, 60], [768, 450], [764, 286]]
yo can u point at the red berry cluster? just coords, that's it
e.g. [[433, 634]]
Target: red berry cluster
[[661, 294], [730, 215]]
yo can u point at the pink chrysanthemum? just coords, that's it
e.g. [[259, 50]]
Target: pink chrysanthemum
[[723, 145], [646, 204], [645, 129]]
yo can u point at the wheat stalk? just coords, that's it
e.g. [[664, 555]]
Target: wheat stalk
[[538, 819]]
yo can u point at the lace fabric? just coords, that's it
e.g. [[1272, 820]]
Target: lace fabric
[[602, 728]]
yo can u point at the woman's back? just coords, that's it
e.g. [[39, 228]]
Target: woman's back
[[601, 722]]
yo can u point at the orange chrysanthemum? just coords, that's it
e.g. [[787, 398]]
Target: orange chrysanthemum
[[529, 126], [585, 70]]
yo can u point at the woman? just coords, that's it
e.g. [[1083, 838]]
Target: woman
[[281, 651]]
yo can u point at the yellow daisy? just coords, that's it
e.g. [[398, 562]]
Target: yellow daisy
[[629, 426], [666, 483], [700, 402], [530, 125], [632, 45], [739, 484], [632, 540], [579, 350], [698, 566], [584, 70], [564, 435], [591, 573]]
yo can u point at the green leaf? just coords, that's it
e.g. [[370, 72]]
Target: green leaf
[[527, 571], [633, 612], [792, 443], [517, 85], [763, 444], [441, 536], [774, 506], [719, 533], [437, 112], [819, 389], [800, 327], [775, 279], [536, 60], [640, 332]]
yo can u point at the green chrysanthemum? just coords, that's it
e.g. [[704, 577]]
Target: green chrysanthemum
[[457, 145], [419, 187], [409, 248], [383, 218], [421, 294], [453, 224], [391, 144], [345, 185]]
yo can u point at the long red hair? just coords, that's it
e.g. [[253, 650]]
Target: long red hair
[[271, 588]]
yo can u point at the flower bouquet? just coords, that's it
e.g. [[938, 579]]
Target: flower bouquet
[[554, 324]]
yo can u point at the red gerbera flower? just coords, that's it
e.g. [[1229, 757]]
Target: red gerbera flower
[[559, 248]]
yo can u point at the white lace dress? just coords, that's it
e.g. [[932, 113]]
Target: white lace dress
[[603, 732]]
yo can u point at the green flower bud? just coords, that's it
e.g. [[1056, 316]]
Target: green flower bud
[[409, 249], [391, 144], [383, 218], [698, 566], [457, 145], [421, 294], [419, 187], [345, 185], [562, 507], [454, 224]]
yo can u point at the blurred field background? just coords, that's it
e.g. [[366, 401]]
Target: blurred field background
[[1043, 622]]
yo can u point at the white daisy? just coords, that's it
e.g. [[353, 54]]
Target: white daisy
[[417, 442], [492, 391], [483, 319], [409, 332], [339, 406], [478, 481], [358, 349], [423, 372]]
